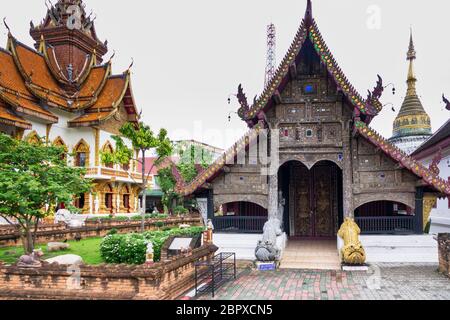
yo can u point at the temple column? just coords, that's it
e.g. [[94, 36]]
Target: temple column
[[273, 196], [418, 214], [347, 175], [210, 204]]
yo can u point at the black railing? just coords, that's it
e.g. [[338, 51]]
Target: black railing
[[386, 225], [239, 224], [211, 274]]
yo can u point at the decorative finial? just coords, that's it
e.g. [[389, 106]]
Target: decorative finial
[[411, 55], [447, 103], [132, 63], [308, 13], [6, 25]]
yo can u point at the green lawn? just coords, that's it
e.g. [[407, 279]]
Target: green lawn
[[88, 249]]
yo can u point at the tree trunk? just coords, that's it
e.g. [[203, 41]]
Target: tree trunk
[[27, 240]]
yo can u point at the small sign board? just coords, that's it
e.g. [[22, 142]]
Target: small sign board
[[266, 266], [179, 243]]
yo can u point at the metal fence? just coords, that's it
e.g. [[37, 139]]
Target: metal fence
[[239, 224], [386, 225]]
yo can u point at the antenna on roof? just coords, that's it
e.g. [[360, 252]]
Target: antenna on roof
[[271, 53]]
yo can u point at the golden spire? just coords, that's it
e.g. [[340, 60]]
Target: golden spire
[[412, 119], [411, 56]]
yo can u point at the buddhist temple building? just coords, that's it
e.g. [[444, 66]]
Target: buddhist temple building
[[435, 154], [62, 92], [311, 158], [412, 125]]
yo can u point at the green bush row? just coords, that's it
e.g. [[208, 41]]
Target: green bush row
[[131, 248]]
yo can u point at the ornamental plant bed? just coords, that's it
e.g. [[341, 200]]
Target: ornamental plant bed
[[131, 248]]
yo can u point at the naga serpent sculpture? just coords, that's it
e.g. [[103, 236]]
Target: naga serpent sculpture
[[353, 252]]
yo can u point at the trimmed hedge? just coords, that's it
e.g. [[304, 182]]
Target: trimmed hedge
[[131, 248]]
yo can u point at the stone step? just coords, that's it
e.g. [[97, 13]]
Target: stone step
[[310, 266]]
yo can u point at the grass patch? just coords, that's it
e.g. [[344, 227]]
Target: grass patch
[[88, 249]]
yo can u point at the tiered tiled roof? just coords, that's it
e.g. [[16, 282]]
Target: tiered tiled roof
[[369, 107], [8, 118], [32, 81], [402, 158], [308, 30]]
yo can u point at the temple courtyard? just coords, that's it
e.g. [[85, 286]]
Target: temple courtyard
[[385, 281]]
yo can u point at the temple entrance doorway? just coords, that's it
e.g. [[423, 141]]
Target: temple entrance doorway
[[313, 199]]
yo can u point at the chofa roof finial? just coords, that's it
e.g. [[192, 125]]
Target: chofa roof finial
[[308, 13]]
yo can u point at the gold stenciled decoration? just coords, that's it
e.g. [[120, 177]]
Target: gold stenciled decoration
[[429, 202], [353, 252]]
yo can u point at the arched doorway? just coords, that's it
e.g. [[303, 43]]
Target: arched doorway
[[313, 199], [385, 217], [240, 217]]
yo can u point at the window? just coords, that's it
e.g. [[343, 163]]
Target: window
[[81, 159], [80, 202], [108, 200], [309, 133], [126, 201]]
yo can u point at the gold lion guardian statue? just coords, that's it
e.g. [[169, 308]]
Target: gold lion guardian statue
[[353, 252]]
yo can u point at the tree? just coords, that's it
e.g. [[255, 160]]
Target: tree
[[33, 178], [143, 140]]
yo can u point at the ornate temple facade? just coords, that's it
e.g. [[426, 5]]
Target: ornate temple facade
[[62, 92], [311, 158], [412, 127]]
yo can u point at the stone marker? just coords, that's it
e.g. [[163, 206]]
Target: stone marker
[[57, 246], [68, 259]]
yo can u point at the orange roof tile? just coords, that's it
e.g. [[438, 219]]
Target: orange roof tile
[[34, 67], [112, 93], [14, 91], [7, 117], [91, 117]]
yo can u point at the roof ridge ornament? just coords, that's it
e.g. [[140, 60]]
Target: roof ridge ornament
[[309, 13]]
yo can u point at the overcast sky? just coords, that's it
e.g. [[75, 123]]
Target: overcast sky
[[189, 56]]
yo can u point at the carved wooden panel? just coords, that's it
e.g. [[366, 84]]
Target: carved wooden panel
[[323, 201], [300, 184], [323, 111]]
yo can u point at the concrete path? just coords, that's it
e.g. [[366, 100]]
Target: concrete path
[[401, 249], [379, 249], [242, 244]]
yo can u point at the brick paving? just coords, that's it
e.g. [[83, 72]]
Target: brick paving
[[382, 282]]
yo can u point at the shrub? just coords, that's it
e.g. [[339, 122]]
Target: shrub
[[161, 216], [131, 248], [136, 218], [112, 231], [159, 224], [121, 218], [180, 210]]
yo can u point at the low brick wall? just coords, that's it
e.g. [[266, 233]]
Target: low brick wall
[[162, 281], [444, 253], [9, 236]]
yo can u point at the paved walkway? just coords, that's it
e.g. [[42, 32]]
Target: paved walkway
[[383, 282]]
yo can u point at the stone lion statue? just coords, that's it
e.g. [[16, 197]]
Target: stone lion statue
[[267, 250], [353, 252]]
